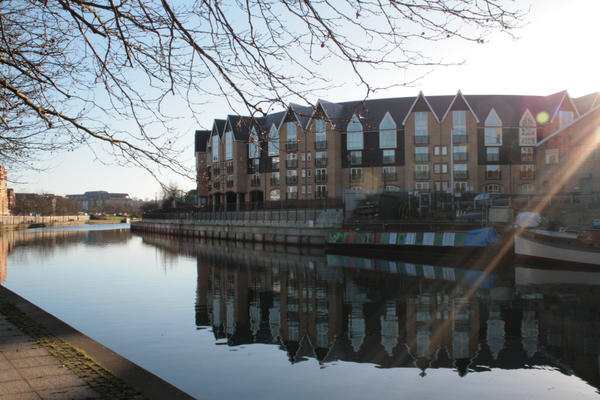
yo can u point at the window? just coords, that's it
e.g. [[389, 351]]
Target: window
[[422, 171], [494, 188], [389, 156], [391, 188], [229, 180], [460, 153], [275, 179], [459, 126], [321, 134], [551, 156], [321, 158], [306, 173], [356, 174], [354, 134], [291, 160], [273, 141], [275, 163], [291, 129], [389, 173], [527, 154], [387, 132], [253, 146], [565, 118], [440, 150], [355, 157], [440, 168], [460, 171], [321, 192], [527, 130], [228, 145], [421, 131], [255, 180], [321, 175], [215, 148], [492, 172], [461, 187], [527, 171], [526, 188], [292, 192], [493, 130], [306, 156], [275, 195], [422, 186], [441, 186], [291, 176], [492, 154], [421, 154]]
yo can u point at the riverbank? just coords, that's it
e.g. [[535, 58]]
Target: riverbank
[[48, 346], [11, 223]]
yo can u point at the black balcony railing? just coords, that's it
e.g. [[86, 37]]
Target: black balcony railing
[[321, 144], [422, 139], [421, 157], [356, 177], [321, 194], [230, 169], [493, 157], [291, 163], [274, 181], [460, 156], [291, 180], [389, 176], [389, 159], [493, 175], [320, 162], [321, 178], [461, 174], [458, 139], [291, 146], [422, 175]]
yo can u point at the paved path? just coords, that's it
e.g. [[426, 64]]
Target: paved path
[[29, 371]]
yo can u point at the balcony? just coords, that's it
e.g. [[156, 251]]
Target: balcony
[[493, 157], [291, 163], [422, 139], [389, 176], [321, 162], [356, 178], [255, 181], [230, 168], [459, 139], [493, 175], [291, 180], [321, 144], [421, 157], [462, 156], [389, 159], [321, 194], [274, 181], [291, 146], [420, 175], [321, 178], [461, 174]]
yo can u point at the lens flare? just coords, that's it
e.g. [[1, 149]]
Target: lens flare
[[542, 117]]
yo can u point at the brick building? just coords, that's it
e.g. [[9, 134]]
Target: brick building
[[4, 210], [508, 144]]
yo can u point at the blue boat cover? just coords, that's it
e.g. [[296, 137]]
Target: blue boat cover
[[481, 237]]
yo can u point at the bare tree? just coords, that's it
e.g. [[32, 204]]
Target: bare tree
[[75, 72]]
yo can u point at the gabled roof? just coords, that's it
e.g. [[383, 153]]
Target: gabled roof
[[459, 95], [580, 120], [303, 114], [440, 104], [218, 127], [200, 140], [419, 96], [565, 96], [586, 103], [270, 119], [240, 126]]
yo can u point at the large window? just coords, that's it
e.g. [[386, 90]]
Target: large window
[[492, 172], [291, 160], [229, 145], [321, 134], [354, 134], [321, 158], [565, 118], [527, 171], [387, 132], [421, 154], [389, 173], [440, 150], [321, 175], [291, 176], [215, 148], [460, 171], [291, 132], [292, 192], [493, 130], [356, 174], [527, 154], [422, 171], [253, 147], [460, 153], [355, 157], [459, 124], [275, 163], [492, 154], [389, 156], [275, 195], [421, 130], [552, 156], [273, 141], [527, 131], [321, 192]]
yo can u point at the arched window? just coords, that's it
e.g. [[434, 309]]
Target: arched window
[[387, 132], [273, 141], [493, 129], [253, 145], [527, 131], [354, 134]]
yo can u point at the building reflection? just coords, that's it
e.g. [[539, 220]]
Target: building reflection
[[369, 314]]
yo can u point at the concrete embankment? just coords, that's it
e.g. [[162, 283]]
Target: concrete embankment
[[298, 227], [11, 222], [51, 359]]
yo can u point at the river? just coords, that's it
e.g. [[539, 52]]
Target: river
[[224, 320]]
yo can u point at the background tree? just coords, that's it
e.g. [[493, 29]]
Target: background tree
[[75, 72]]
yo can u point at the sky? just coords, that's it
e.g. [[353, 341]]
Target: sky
[[556, 50]]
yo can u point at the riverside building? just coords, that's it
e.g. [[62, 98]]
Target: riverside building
[[504, 144]]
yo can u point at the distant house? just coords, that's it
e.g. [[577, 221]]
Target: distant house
[[91, 200]]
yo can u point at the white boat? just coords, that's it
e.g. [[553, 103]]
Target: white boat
[[562, 247]]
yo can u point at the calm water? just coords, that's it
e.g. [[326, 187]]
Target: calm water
[[225, 321]]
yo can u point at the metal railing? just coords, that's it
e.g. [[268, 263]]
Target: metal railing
[[460, 156], [321, 144], [422, 157], [291, 163], [421, 175], [321, 178], [461, 174], [320, 162], [389, 176], [291, 146], [422, 139], [459, 139], [292, 180]]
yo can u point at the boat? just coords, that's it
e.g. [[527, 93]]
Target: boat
[[559, 248]]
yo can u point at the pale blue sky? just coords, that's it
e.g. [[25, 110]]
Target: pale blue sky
[[557, 50]]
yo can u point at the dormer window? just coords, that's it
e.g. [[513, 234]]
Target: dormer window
[[421, 129], [354, 134], [253, 145], [215, 148], [493, 130], [273, 141], [291, 132], [565, 118], [387, 133], [527, 130], [229, 145]]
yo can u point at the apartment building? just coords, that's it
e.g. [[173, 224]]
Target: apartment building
[[452, 144]]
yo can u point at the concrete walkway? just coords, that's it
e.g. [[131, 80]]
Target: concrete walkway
[[29, 371]]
